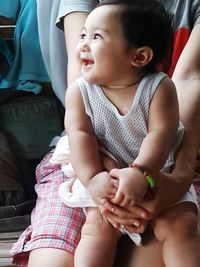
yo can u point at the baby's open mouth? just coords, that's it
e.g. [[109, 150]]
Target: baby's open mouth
[[86, 61]]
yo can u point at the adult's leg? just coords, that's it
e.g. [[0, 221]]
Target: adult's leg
[[147, 255], [176, 229]]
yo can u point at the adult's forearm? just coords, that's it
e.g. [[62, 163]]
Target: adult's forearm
[[171, 187], [72, 36], [187, 80]]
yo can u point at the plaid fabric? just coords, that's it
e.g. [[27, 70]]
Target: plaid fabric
[[53, 225]]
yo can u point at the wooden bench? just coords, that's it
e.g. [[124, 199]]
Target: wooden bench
[[6, 242], [7, 27]]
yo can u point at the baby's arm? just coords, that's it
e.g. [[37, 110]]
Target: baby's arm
[[84, 150], [162, 128]]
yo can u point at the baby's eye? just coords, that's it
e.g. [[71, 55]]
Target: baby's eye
[[82, 36], [97, 36]]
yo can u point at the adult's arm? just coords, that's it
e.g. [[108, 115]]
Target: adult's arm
[[171, 187], [187, 80], [77, 12], [72, 36]]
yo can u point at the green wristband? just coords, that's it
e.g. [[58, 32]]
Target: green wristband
[[150, 181]]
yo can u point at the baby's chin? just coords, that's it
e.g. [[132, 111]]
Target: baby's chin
[[90, 79]]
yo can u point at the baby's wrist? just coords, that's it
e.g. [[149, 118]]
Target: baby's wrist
[[148, 177], [150, 181]]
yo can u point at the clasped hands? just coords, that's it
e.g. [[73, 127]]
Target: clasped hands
[[118, 194]]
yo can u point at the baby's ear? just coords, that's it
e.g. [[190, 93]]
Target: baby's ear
[[142, 56]]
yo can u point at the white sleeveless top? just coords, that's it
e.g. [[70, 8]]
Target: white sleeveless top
[[123, 135]]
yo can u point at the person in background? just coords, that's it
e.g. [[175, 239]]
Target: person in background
[[26, 70], [54, 233]]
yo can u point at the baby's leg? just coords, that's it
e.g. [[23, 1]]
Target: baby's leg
[[176, 229], [98, 242]]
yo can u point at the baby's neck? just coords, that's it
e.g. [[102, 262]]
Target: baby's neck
[[121, 86], [128, 84]]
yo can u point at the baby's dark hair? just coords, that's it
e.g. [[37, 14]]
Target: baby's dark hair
[[147, 23]]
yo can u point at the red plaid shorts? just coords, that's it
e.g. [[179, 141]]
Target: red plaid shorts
[[53, 224]]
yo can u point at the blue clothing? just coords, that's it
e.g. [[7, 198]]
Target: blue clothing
[[27, 68]]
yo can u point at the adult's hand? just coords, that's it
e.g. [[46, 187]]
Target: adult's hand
[[135, 218]]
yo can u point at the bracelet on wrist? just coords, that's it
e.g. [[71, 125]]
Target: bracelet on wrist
[[150, 180]]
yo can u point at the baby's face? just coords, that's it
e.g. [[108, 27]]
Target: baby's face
[[102, 47]]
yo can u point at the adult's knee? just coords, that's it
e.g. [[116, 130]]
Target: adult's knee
[[182, 227]]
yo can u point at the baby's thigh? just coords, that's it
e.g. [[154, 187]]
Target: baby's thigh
[[178, 220], [96, 225]]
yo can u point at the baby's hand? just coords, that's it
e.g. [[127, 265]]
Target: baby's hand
[[102, 186], [132, 186]]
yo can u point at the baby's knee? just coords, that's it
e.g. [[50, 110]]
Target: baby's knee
[[95, 224], [182, 225]]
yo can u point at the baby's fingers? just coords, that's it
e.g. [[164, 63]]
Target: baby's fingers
[[115, 173], [119, 197]]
